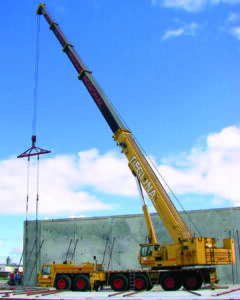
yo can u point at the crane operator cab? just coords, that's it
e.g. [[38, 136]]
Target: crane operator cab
[[150, 254]]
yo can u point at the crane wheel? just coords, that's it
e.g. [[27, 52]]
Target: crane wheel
[[63, 282], [171, 282], [192, 281], [81, 283], [119, 283], [141, 282]]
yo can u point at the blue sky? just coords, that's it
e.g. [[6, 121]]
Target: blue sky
[[171, 69]]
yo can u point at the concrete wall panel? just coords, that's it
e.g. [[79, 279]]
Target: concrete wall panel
[[97, 236]]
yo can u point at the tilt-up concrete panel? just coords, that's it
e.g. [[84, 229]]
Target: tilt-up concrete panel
[[115, 240]]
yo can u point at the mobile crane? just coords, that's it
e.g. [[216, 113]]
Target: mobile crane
[[189, 261]]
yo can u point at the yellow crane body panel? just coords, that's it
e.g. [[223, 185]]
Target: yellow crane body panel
[[198, 251]]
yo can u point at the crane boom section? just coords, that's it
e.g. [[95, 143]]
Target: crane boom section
[[83, 74], [139, 165], [141, 168]]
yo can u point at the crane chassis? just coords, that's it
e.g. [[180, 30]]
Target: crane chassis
[[88, 276]]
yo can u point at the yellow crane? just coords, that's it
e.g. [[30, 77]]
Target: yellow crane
[[188, 257]]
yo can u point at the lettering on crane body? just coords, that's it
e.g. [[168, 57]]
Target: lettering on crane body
[[92, 91], [74, 61], [143, 178]]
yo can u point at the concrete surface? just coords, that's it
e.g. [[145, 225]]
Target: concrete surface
[[53, 239], [231, 292]]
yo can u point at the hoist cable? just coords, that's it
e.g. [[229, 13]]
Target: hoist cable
[[34, 120], [37, 198], [28, 175], [35, 92], [27, 199], [178, 201]]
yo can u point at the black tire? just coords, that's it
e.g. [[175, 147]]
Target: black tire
[[170, 282], [63, 282], [119, 283], [141, 282], [81, 283], [192, 281]]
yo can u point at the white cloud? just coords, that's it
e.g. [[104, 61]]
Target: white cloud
[[108, 173], [235, 31], [173, 33], [191, 5], [186, 29], [225, 1], [72, 184], [63, 182], [188, 5], [233, 25], [210, 170], [76, 217]]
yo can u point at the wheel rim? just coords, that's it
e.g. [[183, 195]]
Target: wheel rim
[[139, 283], [118, 283], [169, 282], [191, 282], [80, 283], [61, 283]]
